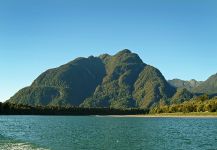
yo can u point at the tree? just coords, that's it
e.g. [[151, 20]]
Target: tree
[[0, 107]]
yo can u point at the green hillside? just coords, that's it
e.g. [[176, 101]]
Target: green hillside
[[118, 81], [209, 86], [189, 85]]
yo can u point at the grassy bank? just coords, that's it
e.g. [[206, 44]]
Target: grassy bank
[[173, 115], [190, 114]]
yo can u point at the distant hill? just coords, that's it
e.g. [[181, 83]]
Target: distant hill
[[181, 95], [198, 87], [119, 81], [189, 85], [209, 86]]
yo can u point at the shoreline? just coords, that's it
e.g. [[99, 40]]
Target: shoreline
[[162, 115], [170, 115]]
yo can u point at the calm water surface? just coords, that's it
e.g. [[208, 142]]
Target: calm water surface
[[99, 133]]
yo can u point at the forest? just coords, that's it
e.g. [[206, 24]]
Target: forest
[[201, 103], [17, 109]]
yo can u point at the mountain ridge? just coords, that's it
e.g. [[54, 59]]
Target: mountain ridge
[[189, 85], [115, 81], [209, 86], [122, 80]]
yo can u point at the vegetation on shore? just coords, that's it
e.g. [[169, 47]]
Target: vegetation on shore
[[198, 104], [18, 109], [182, 114]]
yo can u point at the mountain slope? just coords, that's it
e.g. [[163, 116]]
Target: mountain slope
[[119, 81], [209, 86], [150, 87], [181, 95], [69, 84], [116, 89], [189, 85]]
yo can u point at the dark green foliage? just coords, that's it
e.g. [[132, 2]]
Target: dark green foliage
[[35, 95], [69, 84], [120, 81], [150, 87], [18, 109], [116, 89], [181, 96], [198, 104], [209, 86], [1, 107]]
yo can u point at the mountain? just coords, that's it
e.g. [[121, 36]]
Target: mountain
[[209, 86], [181, 95], [118, 81], [189, 85], [199, 87], [68, 84]]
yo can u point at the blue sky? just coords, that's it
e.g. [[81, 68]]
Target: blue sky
[[179, 37]]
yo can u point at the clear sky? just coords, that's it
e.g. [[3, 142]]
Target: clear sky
[[179, 37]]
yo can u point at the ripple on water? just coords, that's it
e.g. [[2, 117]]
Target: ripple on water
[[19, 146], [97, 133], [9, 144]]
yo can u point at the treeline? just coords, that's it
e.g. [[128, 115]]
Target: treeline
[[14, 109], [199, 104]]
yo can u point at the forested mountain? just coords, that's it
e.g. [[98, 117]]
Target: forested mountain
[[118, 81], [181, 95], [209, 86], [189, 85], [198, 87]]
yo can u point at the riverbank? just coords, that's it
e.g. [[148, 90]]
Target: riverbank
[[173, 115]]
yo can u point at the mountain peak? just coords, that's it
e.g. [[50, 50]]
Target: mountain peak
[[213, 76], [114, 81], [126, 56], [209, 86], [124, 51], [189, 85]]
